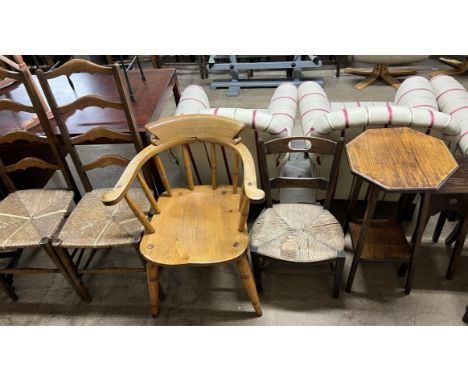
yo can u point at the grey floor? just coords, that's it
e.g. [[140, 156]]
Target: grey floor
[[215, 296]]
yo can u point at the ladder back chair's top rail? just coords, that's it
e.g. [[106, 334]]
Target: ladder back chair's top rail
[[77, 66], [9, 74], [315, 145], [196, 126]]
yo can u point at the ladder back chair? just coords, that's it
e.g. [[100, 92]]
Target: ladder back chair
[[298, 233], [30, 218], [196, 225], [92, 225]]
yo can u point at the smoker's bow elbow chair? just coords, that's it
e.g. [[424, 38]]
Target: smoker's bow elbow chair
[[196, 225]]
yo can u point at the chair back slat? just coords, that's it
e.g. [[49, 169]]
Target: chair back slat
[[214, 179], [99, 133], [21, 135], [29, 162], [86, 101], [106, 160], [7, 104], [187, 166], [313, 145], [282, 182], [163, 174]]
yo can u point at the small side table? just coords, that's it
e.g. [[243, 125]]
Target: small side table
[[398, 160]]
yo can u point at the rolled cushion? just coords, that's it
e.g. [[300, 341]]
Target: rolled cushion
[[389, 59], [383, 116], [313, 103], [416, 92], [452, 99], [283, 105], [192, 100]]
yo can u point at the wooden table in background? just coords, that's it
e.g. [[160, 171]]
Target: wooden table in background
[[398, 160], [150, 98]]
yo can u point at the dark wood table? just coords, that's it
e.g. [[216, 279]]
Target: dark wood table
[[150, 98], [399, 160]]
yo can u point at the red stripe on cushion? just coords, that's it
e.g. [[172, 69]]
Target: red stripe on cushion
[[254, 116], [431, 113], [447, 91], [412, 90], [316, 93], [284, 114], [346, 118], [390, 114], [318, 109], [431, 106], [460, 108], [277, 98], [310, 130], [358, 104], [193, 99], [216, 111]]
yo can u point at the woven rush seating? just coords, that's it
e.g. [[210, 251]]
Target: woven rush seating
[[297, 232], [95, 225], [27, 216]]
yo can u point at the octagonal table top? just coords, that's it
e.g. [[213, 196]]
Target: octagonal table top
[[401, 159]]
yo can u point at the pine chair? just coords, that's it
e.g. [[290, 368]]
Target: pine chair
[[298, 233], [92, 225], [197, 225], [31, 218]]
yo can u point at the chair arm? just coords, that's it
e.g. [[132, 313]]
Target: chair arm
[[115, 195]]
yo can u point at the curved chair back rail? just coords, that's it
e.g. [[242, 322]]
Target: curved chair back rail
[[182, 131], [97, 133]]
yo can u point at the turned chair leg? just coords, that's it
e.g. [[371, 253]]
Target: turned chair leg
[[247, 278], [339, 265], [152, 276], [7, 288], [257, 271]]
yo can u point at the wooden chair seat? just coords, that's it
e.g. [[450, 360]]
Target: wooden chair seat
[[94, 225], [196, 227], [300, 233], [27, 216]]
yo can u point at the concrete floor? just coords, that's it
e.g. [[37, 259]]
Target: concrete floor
[[215, 296]]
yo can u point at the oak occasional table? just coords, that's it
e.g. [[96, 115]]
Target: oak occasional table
[[397, 160]]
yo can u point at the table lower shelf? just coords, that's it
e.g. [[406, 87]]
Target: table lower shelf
[[385, 241]]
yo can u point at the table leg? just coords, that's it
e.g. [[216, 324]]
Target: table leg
[[353, 201], [417, 237], [458, 248], [366, 222], [176, 90]]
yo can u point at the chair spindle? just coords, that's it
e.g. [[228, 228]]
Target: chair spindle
[[162, 173], [214, 180], [148, 193], [187, 166]]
